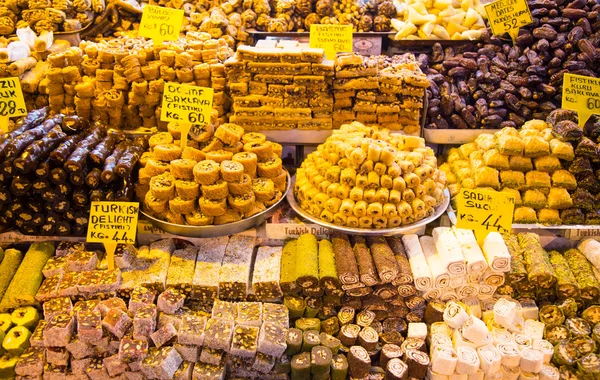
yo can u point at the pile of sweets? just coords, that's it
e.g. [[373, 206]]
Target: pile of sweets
[[54, 166], [16, 329], [450, 265], [120, 81], [49, 15], [364, 177], [507, 344], [549, 167], [440, 20], [223, 175], [301, 90]]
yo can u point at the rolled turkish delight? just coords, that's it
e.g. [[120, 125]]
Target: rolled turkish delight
[[170, 301], [288, 275], [310, 339], [345, 261], [293, 339], [59, 330], [181, 269], [205, 284], [359, 362], [234, 277], [267, 269], [339, 367], [301, 366], [307, 262], [539, 269], [582, 270], [364, 259]]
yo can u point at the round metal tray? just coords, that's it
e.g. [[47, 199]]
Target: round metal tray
[[219, 230], [408, 229]]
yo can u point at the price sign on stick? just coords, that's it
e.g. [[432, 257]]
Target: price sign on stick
[[161, 24], [331, 38], [186, 105], [581, 94], [485, 211], [11, 101], [508, 16], [113, 223]]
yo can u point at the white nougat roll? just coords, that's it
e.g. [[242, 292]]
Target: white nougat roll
[[549, 372], [529, 309], [466, 291], [534, 329], [449, 294], [545, 348], [493, 278], [531, 360], [522, 341], [474, 278], [474, 306], [455, 315], [505, 312], [510, 373], [418, 263], [460, 341], [439, 340], [496, 253], [435, 376], [591, 249], [471, 251], [479, 375], [491, 361], [517, 325], [457, 376], [511, 356], [432, 294], [443, 360], [475, 330], [449, 250], [439, 274], [467, 360], [501, 336], [457, 281], [486, 291]]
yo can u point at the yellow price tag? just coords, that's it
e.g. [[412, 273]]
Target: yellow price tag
[[581, 94], [160, 23], [12, 103], [113, 223], [507, 16], [331, 38], [485, 211]]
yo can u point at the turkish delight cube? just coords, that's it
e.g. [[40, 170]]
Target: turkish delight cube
[[117, 322], [49, 288], [102, 346], [78, 366], [140, 296], [189, 353], [244, 341], [114, 365], [249, 314], [174, 319], [89, 326], [276, 313], [224, 310], [210, 356], [58, 356], [239, 366], [56, 306], [89, 305], [203, 371], [59, 330], [192, 330], [170, 301], [133, 350], [113, 346], [271, 340], [65, 248], [55, 265], [263, 363], [112, 303], [144, 322], [37, 337], [218, 334], [161, 363], [99, 281], [69, 284], [184, 372], [125, 255], [80, 349], [135, 366], [163, 335], [81, 261], [54, 372], [31, 362], [96, 370], [129, 375]]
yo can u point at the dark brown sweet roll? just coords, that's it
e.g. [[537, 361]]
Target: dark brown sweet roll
[[414, 344], [417, 362], [43, 169], [348, 334], [93, 178], [368, 338], [61, 205], [108, 172], [78, 178], [39, 150], [98, 195], [389, 352], [64, 150], [8, 170], [58, 176], [396, 369], [345, 261], [131, 156], [359, 362], [366, 266], [17, 145], [127, 190], [415, 302], [385, 262], [77, 159], [32, 120], [5, 196], [101, 151], [20, 185], [405, 274], [63, 228], [80, 196]]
